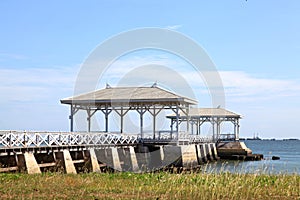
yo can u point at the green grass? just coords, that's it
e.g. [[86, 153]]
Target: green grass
[[149, 186]]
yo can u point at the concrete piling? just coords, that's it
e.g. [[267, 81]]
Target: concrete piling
[[31, 164], [203, 153], [189, 156], [68, 162], [115, 159], [214, 151], [162, 155], [199, 154], [94, 162], [134, 163], [128, 158], [209, 152]]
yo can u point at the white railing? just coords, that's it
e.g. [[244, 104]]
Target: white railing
[[15, 139], [182, 136], [18, 139], [224, 137], [195, 138]]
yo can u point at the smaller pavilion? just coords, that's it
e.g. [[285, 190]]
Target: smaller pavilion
[[215, 116], [124, 99]]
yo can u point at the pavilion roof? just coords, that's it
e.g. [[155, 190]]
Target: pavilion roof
[[131, 95], [208, 112]]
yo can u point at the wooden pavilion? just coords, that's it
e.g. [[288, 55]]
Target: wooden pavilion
[[215, 116], [124, 99]]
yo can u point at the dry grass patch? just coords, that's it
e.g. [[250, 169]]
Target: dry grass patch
[[149, 186]]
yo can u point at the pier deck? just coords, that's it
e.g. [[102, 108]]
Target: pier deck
[[74, 152], [18, 139]]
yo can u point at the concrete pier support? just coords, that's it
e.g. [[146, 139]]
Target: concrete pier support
[[141, 158], [209, 154], [161, 151], [68, 162], [94, 162], [189, 156], [115, 159], [203, 153], [118, 159], [214, 151], [134, 163], [199, 154], [31, 164]]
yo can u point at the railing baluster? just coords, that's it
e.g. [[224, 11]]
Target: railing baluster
[[40, 139]]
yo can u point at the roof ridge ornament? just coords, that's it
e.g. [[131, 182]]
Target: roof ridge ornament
[[154, 85], [107, 86]]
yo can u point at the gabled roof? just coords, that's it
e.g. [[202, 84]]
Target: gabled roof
[[208, 112], [129, 95]]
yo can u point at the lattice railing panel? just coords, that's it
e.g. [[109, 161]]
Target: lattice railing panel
[[12, 139]]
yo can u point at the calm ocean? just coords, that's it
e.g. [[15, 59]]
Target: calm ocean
[[288, 151]]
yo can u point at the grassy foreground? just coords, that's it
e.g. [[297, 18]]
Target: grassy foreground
[[149, 186]]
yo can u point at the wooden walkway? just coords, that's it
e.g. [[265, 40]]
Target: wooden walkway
[[20, 140]]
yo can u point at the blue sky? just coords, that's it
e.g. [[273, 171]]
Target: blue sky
[[254, 44]]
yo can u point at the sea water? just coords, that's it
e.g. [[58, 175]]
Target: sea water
[[287, 150]]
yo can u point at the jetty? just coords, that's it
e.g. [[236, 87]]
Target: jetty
[[96, 151]]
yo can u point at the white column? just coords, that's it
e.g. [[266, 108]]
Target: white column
[[71, 117], [177, 121], [89, 119]]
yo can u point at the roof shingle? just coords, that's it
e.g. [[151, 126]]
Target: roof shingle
[[128, 94]]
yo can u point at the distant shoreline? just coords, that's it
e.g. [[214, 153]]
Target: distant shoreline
[[272, 139]]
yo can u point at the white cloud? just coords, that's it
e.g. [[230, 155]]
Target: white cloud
[[242, 86], [30, 97], [33, 84]]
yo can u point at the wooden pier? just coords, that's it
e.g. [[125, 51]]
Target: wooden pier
[[95, 151], [36, 152]]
